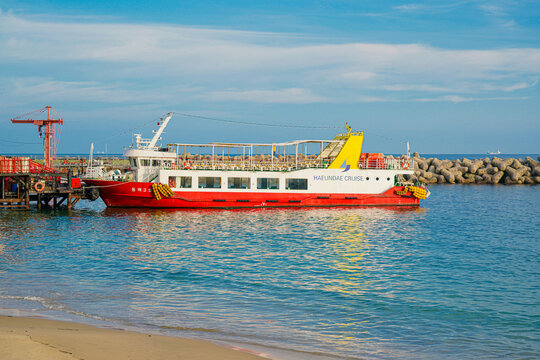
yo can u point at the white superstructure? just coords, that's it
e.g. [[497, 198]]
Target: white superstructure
[[296, 166]]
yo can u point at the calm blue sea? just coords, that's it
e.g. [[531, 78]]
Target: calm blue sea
[[457, 278]]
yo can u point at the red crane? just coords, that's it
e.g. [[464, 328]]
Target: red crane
[[46, 130]]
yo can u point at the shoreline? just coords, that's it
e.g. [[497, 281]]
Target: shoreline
[[237, 347], [23, 337]]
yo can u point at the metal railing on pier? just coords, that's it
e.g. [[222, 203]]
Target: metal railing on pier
[[22, 165]]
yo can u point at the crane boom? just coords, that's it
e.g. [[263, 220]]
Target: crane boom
[[46, 130]]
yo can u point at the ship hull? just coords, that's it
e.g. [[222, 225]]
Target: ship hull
[[139, 195]]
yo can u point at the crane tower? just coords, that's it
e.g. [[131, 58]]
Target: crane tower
[[46, 128]]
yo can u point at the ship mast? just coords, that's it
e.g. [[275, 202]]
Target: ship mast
[[158, 133]]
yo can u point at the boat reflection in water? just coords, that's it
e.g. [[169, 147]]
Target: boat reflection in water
[[304, 275]]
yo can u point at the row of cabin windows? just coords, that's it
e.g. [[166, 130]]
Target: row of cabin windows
[[237, 183], [211, 182], [148, 162]]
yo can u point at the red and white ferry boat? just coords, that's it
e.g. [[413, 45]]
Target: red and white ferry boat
[[231, 175]]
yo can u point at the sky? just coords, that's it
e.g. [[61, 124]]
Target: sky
[[447, 76]]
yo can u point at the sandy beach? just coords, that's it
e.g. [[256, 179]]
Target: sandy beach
[[41, 339]]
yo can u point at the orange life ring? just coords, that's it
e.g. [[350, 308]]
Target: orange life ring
[[405, 164], [39, 186], [188, 164]]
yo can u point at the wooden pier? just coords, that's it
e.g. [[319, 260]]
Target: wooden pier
[[23, 181]]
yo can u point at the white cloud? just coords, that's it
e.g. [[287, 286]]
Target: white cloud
[[48, 90], [513, 87], [105, 60], [70, 90], [285, 96], [460, 99], [357, 76], [225, 50], [371, 99], [409, 7], [492, 9], [416, 87], [499, 15]]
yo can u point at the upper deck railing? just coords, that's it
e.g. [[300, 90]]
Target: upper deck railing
[[388, 162], [280, 163], [252, 163]]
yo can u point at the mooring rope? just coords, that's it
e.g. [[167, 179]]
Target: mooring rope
[[104, 186]]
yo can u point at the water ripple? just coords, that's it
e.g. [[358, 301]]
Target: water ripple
[[455, 279]]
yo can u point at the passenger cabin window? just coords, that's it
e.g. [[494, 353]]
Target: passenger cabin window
[[208, 182], [183, 182], [268, 183], [296, 184], [238, 183], [145, 162]]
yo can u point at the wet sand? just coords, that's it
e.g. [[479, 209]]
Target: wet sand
[[42, 339]]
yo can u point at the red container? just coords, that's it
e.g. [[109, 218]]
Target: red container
[[372, 161], [75, 183]]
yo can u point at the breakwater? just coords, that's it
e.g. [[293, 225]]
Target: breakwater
[[475, 171], [431, 170]]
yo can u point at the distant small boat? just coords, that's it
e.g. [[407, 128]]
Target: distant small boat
[[494, 153]]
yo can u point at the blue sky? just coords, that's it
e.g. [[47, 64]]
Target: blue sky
[[448, 76]]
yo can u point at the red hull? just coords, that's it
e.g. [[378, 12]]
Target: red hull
[[136, 194]]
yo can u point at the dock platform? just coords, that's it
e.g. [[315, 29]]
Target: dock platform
[[24, 181]]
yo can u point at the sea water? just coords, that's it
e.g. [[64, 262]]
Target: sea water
[[456, 278]]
